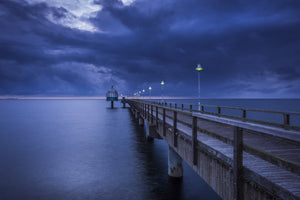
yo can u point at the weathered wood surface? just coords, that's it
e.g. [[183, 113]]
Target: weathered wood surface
[[271, 156]]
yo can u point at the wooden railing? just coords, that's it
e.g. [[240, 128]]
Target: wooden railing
[[173, 112], [286, 116]]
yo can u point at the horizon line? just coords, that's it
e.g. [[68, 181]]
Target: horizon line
[[15, 97]]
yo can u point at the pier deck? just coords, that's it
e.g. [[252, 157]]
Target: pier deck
[[239, 159]]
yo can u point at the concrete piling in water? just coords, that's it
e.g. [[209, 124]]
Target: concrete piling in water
[[175, 169], [148, 131], [141, 121], [137, 115]]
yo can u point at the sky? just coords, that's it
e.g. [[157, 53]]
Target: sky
[[247, 48]]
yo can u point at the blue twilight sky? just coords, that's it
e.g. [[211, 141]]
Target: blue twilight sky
[[248, 48]]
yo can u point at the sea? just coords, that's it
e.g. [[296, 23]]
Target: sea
[[82, 149]]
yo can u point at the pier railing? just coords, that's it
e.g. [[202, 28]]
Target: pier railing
[[173, 114], [243, 113]]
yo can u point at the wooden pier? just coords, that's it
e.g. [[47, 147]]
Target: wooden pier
[[238, 156]]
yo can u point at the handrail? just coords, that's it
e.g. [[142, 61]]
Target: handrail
[[239, 108], [285, 115]]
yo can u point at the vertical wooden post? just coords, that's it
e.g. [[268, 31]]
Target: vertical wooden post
[[175, 129], [156, 116], [170, 105], [175, 105], [181, 106], [151, 114], [148, 116], [286, 120], [238, 164], [191, 108], [219, 110], [164, 122], [194, 141], [202, 108], [244, 115]]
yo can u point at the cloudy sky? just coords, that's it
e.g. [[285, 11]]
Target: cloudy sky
[[248, 48]]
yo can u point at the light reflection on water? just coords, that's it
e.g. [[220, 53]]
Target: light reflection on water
[[80, 149]]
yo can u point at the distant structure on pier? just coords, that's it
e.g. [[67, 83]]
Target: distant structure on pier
[[112, 95]]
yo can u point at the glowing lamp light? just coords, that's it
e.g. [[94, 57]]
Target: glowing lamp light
[[198, 68], [162, 82], [143, 90], [150, 88]]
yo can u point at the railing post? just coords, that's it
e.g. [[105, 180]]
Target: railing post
[[175, 129], [165, 103], [202, 108], [191, 108], [286, 120], [148, 112], [238, 164], [182, 106], [170, 105], [175, 105], [244, 115], [194, 141], [156, 115], [219, 110], [151, 114], [164, 122]]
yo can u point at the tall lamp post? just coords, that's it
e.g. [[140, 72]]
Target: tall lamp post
[[162, 83], [150, 88], [199, 68]]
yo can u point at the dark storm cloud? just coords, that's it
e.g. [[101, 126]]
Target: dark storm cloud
[[247, 48]]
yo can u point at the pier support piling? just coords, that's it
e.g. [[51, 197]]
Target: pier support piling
[[141, 121], [137, 115], [148, 131], [175, 169]]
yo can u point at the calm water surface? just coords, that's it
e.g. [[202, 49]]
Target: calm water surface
[[80, 149]]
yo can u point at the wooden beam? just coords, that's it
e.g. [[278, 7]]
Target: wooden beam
[[194, 141], [164, 122], [238, 164], [175, 129]]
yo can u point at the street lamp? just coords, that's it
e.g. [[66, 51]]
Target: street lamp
[[162, 83], [199, 68], [150, 88]]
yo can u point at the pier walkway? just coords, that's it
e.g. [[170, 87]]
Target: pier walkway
[[239, 157]]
